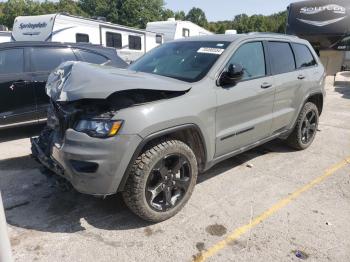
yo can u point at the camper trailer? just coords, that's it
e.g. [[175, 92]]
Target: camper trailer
[[326, 25], [131, 43], [176, 29], [5, 36]]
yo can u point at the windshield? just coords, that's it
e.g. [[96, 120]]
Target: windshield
[[189, 61]]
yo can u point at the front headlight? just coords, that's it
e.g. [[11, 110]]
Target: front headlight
[[101, 128]]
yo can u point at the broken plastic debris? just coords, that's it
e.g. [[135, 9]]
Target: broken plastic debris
[[301, 254]]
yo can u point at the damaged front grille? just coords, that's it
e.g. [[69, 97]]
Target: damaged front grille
[[62, 117]]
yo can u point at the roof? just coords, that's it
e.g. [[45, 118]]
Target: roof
[[234, 37]]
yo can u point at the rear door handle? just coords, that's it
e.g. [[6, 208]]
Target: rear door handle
[[266, 85], [19, 82], [301, 77]]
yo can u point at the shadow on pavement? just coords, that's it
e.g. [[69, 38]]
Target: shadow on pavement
[[37, 206], [343, 88]]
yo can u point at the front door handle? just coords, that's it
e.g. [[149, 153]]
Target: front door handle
[[301, 77], [266, 85]]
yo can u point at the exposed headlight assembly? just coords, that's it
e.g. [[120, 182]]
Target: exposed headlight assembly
[[100, 128]]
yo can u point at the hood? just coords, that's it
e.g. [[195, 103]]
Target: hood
[[73, 81]]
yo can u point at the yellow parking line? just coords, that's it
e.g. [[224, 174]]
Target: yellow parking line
[[281, 204]]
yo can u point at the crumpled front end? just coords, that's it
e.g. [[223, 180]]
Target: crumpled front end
[[84, 140], [92, 165]]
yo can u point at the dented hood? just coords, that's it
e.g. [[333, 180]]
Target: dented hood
[[73, 81]]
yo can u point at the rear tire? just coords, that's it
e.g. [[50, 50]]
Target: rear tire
[[161, 181], [306, 127]]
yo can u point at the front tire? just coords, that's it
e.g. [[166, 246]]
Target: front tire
[[306, 127], [161, 181]]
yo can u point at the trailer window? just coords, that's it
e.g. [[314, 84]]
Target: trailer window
[[82, 38], [113, 40], [185, 32], [159, 39], [134, 42]]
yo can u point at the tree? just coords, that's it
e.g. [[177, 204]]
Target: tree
[[70, 6], [180, 15], [167, 13], [138, 13], [197, 16], [105, 8]]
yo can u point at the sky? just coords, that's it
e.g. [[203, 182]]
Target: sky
[[217, 10]]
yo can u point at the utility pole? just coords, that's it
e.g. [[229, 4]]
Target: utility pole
[[5, 246]]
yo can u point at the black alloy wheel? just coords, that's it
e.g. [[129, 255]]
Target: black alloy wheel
[[168, 182], [308, 127], [161, 180], [305, 128]]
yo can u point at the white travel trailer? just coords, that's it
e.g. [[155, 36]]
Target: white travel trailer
[[5, 36], [131, 43], [176, 29]]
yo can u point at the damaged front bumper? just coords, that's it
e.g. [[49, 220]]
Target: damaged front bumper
[[93, 166]]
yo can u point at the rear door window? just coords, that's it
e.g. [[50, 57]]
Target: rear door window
[[48, 58], [92, 57], [252, 58], [282, 57], [11, 61], [303, 56]]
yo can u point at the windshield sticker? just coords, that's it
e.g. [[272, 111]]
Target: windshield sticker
[[220, 45], [210, 50]]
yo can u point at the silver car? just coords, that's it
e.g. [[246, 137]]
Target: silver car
[[149, 130]]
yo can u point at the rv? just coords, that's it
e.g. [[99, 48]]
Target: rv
[[131, 43], [326, 25], [176, 29], [5, 36]]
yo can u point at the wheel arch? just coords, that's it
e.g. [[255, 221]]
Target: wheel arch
[[317, 99], [190, 134]]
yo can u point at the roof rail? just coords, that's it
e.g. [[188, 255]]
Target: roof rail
[[270, 33]]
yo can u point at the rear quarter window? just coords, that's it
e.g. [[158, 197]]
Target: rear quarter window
[[92, 57], [282, 57], [303, 56]]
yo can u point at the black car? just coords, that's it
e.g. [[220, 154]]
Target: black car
[[24, 69]]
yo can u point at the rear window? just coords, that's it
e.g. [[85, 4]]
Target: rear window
[[282, 57], [11, 61], [48, 58], [93, 58], [303, 56]]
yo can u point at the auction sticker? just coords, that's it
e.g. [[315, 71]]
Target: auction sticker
[[211, 50]]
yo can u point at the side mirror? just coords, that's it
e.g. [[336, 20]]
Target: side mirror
[[232, 75]]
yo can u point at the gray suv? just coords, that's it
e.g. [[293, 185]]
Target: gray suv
[[149, 130]]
